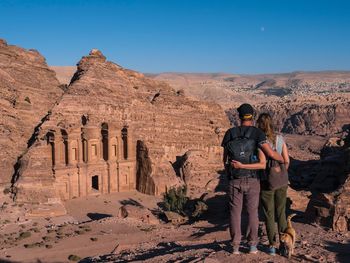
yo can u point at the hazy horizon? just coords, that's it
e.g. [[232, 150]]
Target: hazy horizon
[[231, 73]]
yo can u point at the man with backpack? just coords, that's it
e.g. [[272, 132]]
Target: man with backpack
[[245, 148]]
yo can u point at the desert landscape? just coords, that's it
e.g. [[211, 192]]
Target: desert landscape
[[88, 153]]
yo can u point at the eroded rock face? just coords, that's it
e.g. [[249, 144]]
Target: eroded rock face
[[116, 130], [324, 118], [332, 209], [341, 218], [200, 171], [28, 90]]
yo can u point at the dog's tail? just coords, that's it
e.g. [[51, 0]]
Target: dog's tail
[[289, 219]]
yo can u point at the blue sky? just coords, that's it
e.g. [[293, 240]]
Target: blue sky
[[186, 35]]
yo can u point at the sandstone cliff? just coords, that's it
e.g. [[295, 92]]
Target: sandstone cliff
[[134, 128], [28, 90], [329, 204]]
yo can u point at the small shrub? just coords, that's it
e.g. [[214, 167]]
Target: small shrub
[[73, 258], [175, 199], [46, 238], [35, 230], [27, 99], [48, 246], [79, 232], [25, 234], [6, 191], [93, 238], [37, 244], [147, 229]]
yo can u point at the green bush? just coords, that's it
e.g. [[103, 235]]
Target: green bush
[[175, 199]]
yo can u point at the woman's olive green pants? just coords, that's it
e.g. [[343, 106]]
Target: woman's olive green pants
[[274, 208]]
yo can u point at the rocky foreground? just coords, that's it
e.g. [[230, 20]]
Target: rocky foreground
[[131, 227], [95, 231]]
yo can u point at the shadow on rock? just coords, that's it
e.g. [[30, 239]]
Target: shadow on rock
[[217, 214], [130, 201], [97, 216], [162, 249], [342, 250]]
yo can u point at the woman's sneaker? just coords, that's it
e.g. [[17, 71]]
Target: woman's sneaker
[[235, 250], [253, 250], [272, 251]]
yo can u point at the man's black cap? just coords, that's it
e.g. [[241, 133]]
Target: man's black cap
[[245, 111]]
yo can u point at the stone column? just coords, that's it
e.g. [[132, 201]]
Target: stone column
[[59, 152], [73, 148], [114, 153]]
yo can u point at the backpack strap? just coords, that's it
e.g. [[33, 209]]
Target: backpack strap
[[235, 132], [249, 132]]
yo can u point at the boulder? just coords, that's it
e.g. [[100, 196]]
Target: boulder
[[53, 209], [200, 171], [298, 200], [138, 213], [320, 209], [174, 218]]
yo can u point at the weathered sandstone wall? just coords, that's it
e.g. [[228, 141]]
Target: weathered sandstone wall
[[28, 90]]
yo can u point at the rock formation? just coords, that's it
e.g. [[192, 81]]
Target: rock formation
[[197, 168], [28, 91], [138, 213], [316, 117], [330, 202], [116, 130]]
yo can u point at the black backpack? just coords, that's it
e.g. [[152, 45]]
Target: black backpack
[[242, 148]]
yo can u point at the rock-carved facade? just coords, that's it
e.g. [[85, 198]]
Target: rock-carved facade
[[92, 160], [115, 130]]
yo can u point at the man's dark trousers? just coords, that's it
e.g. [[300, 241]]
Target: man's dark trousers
[[247, 190]]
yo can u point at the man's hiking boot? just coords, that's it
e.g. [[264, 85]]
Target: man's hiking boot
[[253, 250]]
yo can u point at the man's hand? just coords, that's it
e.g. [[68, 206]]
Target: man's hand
[[266, 148], [236, 164]]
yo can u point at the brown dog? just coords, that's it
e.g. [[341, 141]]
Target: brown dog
[[288, 237]]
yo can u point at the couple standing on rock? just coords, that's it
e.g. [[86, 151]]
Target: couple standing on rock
[[249, 153]]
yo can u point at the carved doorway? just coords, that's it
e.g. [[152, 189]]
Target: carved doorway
[[95, 183]]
